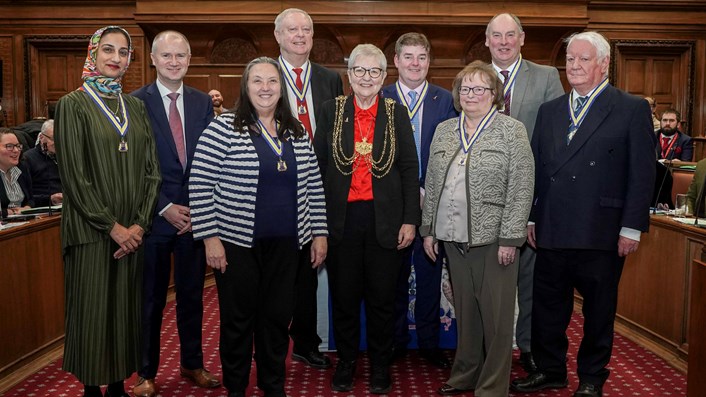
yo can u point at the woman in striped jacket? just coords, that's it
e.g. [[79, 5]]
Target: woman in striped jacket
[[256, 200]]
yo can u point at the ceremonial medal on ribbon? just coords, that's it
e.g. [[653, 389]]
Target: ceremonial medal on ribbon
[[412, 112], [275, 144], [120, 126], [577, 119], [291, 82], [468, 141]]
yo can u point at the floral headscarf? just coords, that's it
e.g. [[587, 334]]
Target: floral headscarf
[[91, 75]]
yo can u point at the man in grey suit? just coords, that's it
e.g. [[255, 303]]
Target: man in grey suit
[[527, 85]]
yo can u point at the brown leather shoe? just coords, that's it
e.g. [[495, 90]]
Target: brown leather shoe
[[144, 388], [200, 377]]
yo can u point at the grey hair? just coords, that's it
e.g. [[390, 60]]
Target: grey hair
[[47, 125], [162, 35], [285, 13], [597, 40], [368, 50], [514, 18]]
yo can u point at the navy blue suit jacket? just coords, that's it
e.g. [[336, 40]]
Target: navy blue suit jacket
[[198, 113], [682, 149], [438, 107], [587, 191]]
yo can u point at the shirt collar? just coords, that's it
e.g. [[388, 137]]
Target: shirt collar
[[406, 90], [15, 173], [290, 68], [164, 91], [509, 68]]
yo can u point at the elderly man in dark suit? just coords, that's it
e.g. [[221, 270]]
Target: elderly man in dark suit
[[178, 114], [672, 143], [308, 86], [526, 85], [594, 156], [427, 106]]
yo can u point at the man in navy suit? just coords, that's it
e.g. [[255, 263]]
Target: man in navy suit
[[309, 85], [594, 156], [673, 144], [526, 86], [428, 105], [178, 114]]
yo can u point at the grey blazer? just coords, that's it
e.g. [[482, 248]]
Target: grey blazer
[[534, 85]]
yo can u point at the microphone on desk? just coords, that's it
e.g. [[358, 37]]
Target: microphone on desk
[[667, 164]]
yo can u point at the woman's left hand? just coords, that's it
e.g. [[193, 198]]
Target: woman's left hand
[[405, 236], [506, 255], [319, 247]]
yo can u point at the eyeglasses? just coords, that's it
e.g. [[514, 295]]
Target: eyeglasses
[[360, 71], [10, 146], [463, 90], [51, 138]]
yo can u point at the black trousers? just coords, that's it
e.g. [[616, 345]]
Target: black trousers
[[360, 270], [595, 275], [303, 327], [189, 273], [255, 295]]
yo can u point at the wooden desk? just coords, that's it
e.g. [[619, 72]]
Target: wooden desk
[[31, 292], [654, 290], [696, 381]]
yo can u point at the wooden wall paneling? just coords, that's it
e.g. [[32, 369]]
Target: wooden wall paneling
[[8, 102]]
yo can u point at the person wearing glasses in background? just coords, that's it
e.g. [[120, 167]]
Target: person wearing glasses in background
[[368, 161], [479, 189], [43, 169], [16, 186]]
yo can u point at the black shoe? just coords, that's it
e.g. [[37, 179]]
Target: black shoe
[[448, 390], [380, 381], [527, 362], [314, 359], [435, 357], [588, 390], [343, 377], [537, 381]]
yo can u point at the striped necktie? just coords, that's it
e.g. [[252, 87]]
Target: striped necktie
[[579, 103], [416, 128], [506, 75]]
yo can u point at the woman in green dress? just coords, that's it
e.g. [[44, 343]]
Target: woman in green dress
[[108, 166]]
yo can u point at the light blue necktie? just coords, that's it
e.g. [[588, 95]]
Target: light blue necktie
[[580, 102], [416, 129]]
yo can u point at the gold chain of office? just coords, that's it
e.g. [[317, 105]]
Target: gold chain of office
[[378, 168]]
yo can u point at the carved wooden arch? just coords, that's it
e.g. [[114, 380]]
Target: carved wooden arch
[[684, 48], [474, 48], [233, 46]]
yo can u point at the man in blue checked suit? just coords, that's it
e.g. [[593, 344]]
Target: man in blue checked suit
[[178, 114], [428, 105]]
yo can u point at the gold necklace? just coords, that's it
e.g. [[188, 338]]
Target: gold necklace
[[364, 148]]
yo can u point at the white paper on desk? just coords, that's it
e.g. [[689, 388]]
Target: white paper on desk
[[11, 225], [690, 221]]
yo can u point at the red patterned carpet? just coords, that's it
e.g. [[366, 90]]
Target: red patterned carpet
[[635, 371]]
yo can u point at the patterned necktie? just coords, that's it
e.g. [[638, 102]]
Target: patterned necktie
[[506, 75], [303, 116], [177, 128], [580, 102], [416, 128]]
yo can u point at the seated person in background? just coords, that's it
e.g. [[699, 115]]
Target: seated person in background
[[40, 163], [16, 186], [653, 108], [696, 188], [673, 144], [217, 101]]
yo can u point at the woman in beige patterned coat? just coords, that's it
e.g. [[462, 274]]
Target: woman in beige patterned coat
[[479, 187]]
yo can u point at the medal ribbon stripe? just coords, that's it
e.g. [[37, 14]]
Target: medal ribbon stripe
[[274, 143], [120, 127], [467, 143], [577, 119], [412, 112], [513, 74], [291, 82]]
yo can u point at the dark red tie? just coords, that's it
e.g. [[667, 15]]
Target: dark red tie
[[303, 117], [506, 74], [177, 129]]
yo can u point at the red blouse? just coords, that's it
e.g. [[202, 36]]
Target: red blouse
[[364, 127]]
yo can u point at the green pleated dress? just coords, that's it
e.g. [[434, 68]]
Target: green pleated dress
[[103, 186]]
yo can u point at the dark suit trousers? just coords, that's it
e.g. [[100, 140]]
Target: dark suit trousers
[[255, 296], [359, 269], [427, 296], [189, 273], [303, 327], [595, 274]]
